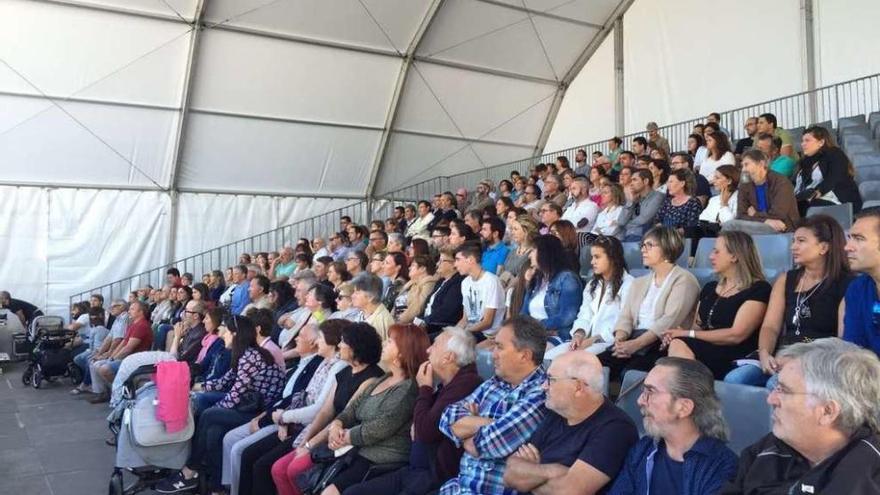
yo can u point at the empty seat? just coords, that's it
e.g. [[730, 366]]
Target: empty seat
[[704, 248], [632, 253], [854, 148], [842, 213], [485, 366], [871, 204], [870, 159], [826, 124], [854, 121], [744, 408], [873, 118], [856, 135], [870, 190], [868, 173], [775, 251]]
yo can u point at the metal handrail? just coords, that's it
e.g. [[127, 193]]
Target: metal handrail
[[826, 104]]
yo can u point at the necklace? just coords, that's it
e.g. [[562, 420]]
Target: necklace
[[801, 310], [725, 293]]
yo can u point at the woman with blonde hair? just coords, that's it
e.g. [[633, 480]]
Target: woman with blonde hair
[[730, 310], [523, 231]]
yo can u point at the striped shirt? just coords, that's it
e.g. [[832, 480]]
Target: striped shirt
[[516, 413]]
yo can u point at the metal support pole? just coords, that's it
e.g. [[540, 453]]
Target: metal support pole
[[808, 54], [619, 102]]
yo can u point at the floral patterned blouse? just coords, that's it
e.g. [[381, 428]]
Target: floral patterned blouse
[[686, 215], [253, 374]]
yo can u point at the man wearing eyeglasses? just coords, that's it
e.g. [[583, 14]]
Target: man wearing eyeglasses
[[418, 227], [684, 451], [640, 212], [582, 442], [826, 408], [188, 333]]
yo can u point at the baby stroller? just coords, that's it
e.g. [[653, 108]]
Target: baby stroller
[[144, 448], [50, 357]]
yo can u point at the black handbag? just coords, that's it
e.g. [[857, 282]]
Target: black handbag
[[251, 402], [326, 467]]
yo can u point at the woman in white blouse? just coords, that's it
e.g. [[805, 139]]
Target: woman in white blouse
[[722, 207], [607, 223], [719, 154], [697, 149], [603, 296]]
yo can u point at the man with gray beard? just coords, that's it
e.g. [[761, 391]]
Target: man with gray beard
[[684, 450]]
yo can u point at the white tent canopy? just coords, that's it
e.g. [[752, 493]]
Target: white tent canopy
[[333, 98]]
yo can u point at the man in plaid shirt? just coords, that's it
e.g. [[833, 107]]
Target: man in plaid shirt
[[501, 415]]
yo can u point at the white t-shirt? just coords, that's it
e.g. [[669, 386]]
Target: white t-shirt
[[482, 294], [707, 168], [85, 330], [536, 305], [585, 210], [649, 303]]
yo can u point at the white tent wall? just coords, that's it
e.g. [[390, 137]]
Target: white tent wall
[[685, 58], [847, 39], [24, 225]]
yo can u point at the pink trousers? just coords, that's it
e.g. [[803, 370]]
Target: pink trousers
[[285, 471]]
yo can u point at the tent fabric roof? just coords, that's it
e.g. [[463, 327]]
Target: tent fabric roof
[[335, 98]]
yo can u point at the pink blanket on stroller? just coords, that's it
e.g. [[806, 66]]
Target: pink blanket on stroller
[[172, 387]]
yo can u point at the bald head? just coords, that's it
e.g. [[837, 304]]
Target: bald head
[[575, 385], [585, 367]]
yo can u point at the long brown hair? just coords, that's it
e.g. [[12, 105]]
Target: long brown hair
[[822, 134], [827, 230]]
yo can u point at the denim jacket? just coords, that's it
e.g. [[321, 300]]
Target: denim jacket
[[562, 302], [707, 466]]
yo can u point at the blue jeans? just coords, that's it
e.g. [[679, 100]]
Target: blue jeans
[[751, 375], [82, 361], [205, 400], [161, 336]]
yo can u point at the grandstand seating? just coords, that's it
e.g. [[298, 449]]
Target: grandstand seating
[[842, 213]]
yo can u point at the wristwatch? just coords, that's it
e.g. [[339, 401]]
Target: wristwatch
[[692, 334], [308, 446]]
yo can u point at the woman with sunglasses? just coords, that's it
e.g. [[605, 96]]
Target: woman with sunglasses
[[730, 310], [252, 382], [320, 303], [664, 298], [345, 310], [806, 302], [602, 299]]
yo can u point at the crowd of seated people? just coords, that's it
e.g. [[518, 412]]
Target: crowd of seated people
[[366, 344]]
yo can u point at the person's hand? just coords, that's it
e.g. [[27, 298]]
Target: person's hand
[[670, 335], [619, 337], [576, 341], [425, 375], [198, 387], [276, 416], [470, 448], [530, 273], [254, 425], [777, 225], [624, 349], [751, 211], [725, 197], [178, 330], [769, 365], [528, 452], [282, 433], [473, 409]]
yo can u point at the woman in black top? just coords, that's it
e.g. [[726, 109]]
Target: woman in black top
[[360, 346], [805, 303], [730, 310], [825, 175]]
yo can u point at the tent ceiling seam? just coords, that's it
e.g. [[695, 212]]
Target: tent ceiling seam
[[543, 13]]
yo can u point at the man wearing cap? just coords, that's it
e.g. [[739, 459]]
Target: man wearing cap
[[655, 137]]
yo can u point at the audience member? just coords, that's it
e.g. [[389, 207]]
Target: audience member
[[680, 209], [640, 211], [781, 164], [503, 413], [767, 124], [767, 204], [742, 145], [378, 243], [721, 207], [602, 299], [138, 338], [554, 291], [258, 293], [825, 174], [664, 298], [697, 151], [367, 297], [549, 213], [659, 172], [683, 161], [395, 275], [806, 303], [655, 137], [240, 293], [824, 438], [23, 309], [583, 211], [356, 263], [608, 220], [411, 300], [863, 252], [495, 252], [186, 338], [684, 451], [718, 147], [730, 310], [714, 119], [523, 230], [263, 322], [482, 295], [444, 307], [583, 440], [337, 246], [639, 146]]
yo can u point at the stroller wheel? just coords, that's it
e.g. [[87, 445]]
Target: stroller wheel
[[116, 486], [75, 374], [27, 376], [37, 379]]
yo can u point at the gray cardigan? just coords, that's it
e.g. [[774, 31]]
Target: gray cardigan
[[676, 302], [637, 225], [379, 424]]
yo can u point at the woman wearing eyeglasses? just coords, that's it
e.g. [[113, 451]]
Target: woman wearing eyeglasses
[[344, 308], [411, 300], [664, 298], [602, 299], [730, 310], [252, 382], [805, 303]]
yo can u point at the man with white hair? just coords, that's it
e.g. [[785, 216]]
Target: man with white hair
[[684, 451], [433, 459], [825, 423], [583, 211], [396, 243], [582, 443], [284, 265]]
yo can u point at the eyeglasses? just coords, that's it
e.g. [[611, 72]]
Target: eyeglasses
[[781, 389], [551, 380], [647, 245], [446, 261], [648, 392], [191, 312]]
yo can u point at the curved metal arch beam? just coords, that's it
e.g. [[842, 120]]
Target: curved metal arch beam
[[575, 69], [402, 78]]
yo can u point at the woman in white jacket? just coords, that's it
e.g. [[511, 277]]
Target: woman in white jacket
[[721, 207], [603, 296]]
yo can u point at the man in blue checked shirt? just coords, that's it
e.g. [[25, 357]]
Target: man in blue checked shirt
[[502, 414]]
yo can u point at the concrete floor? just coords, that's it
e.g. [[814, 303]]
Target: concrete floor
[[50, 442]]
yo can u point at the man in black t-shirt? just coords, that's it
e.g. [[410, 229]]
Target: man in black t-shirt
[[25, 310], [582, 442]]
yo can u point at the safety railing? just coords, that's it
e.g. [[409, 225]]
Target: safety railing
[[820, 106], [823, 105]]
